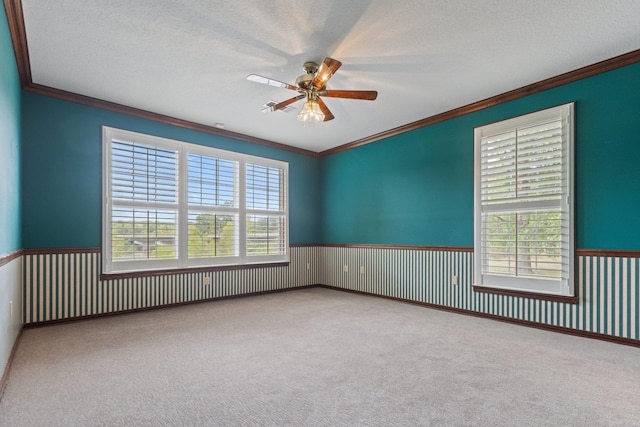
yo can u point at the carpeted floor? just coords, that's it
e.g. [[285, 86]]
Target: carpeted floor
[[316, 357]]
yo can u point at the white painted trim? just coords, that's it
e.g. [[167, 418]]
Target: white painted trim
[[565, 286], [183, 149]]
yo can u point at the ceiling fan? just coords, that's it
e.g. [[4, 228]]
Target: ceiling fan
[[311, 86]]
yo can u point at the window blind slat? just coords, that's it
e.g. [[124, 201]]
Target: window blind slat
[[264, 188], [523, 166], [211, 181], [171, 204], [145, 175], [142, 172]]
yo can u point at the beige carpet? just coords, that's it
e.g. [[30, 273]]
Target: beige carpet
[[316, 357]]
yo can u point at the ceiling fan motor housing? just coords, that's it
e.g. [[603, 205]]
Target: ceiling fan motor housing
[[305, 80], [310, 69]]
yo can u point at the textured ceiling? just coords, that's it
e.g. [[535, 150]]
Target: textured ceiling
[[189, 59]]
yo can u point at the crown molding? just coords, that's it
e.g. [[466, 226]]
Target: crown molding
[[169, 120], [17, 30], [15, 19], [552, 82]]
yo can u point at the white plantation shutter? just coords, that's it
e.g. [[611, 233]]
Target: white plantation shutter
[[266, 210], [143, 191], [213, 207], [169, 204], [523, 203], [143, 173]]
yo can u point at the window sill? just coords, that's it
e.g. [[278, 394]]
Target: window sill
[[168, 272], [525, 294]]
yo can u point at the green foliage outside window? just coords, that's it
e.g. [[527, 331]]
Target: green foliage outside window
[[524, 243], [211, 235]]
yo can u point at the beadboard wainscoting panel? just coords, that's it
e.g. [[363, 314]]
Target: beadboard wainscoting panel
[[63, 285], [609, 300]]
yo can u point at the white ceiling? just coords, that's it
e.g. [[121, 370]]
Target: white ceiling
[[189, 59]]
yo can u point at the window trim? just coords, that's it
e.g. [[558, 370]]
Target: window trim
[[564, 290], [183, 263]]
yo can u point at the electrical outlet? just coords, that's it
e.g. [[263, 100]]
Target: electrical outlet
[[362, 269], [308, 266], [345, 268], [454, 280], [206, 280]]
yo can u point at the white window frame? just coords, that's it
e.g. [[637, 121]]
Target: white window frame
[[183, 261], [564, 286]]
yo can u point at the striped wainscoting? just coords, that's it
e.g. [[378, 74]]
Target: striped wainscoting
[[66, 284], [609, 297]]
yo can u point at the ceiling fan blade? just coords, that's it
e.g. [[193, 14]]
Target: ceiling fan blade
[[283, 104], [368, 95], [267, 81], [326, 70], [328, 115]]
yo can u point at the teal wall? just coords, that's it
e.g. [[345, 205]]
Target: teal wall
[[413, 189], [9, 143], [417, 188], [10, 239], [61, 180]]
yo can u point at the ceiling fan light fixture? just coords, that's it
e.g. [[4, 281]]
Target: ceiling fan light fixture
[[311, 112], [312, 85]]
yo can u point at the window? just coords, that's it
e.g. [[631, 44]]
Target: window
[[524, 203], [169, 204]]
